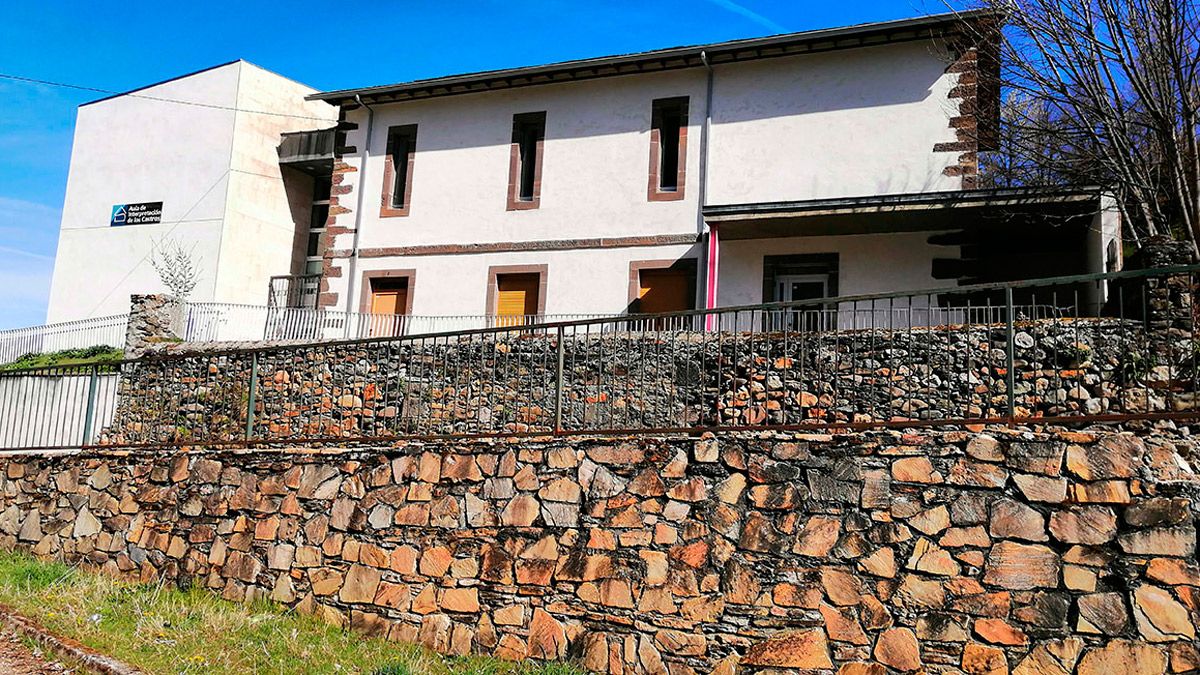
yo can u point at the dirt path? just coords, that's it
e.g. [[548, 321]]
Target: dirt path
[[18, 659]]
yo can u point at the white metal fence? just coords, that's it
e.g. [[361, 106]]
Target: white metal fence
[[106, 330], [219, 322], [56, 407]]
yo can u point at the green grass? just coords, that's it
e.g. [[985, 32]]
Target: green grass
[[162, 629], [67, 357]]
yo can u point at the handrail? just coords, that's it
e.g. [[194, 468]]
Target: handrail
[[841, 299], [1082, 347]]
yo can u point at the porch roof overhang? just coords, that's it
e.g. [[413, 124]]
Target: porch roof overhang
[[310, 151], [894, 213]]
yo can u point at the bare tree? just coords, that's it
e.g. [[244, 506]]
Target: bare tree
[[1104, 92], [177, 267]]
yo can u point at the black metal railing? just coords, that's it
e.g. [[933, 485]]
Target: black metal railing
[[1082, 348]]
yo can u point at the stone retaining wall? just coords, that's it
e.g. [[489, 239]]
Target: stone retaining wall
[[1049, 551], [506, 383]]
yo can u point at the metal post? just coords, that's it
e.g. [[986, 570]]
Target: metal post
[[558, 384], [1010, 353], [250, 399], [90, 416]]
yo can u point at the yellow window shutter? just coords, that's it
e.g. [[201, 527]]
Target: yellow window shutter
[[511, 302]]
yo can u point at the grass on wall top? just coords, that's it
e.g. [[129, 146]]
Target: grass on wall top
[[99, 354]]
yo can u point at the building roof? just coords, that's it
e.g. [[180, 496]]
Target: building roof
[[674, 58]]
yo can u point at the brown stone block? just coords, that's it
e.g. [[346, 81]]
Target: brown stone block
[[999, 632], [915, 470], [977, 474], [898, 648], [931, 521], [462, 600], [840, 586], [521, 511], [681, 644], [394, 596], [790, 649], [1084, 525], [1040, 458], [980, 659], [1114, 456], [1165, 541], [791, 595], [1102, 492], [1124, 656], [930, 558], [818, 536], [881, 563], [547, 637], [242, 566], [916, 592], [842, 625], [324, 581], [1101, 613], [1021, 566], [360, 585], [1160, 617], [1158, 511]]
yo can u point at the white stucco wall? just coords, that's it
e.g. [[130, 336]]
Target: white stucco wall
[[130, 149], [260, 226], [867, 263], [215, 170], [596, 160], [590, 281], [845, 123]]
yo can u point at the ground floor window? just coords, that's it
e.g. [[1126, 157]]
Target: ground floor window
[[660, 286], [388, 304], [516, 294]]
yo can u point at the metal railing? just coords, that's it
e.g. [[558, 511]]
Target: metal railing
[[1071, 349], [221, 322], [106, 330]]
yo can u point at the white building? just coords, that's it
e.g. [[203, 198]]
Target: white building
[[201, 151], [828, 162]]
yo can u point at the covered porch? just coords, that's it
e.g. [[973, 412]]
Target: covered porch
[[908, 243]]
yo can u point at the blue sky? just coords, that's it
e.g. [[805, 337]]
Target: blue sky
[[121, 46]]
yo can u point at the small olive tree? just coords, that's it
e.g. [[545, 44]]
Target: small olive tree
[[177, 267]]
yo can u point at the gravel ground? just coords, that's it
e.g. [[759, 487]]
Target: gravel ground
[[18, 659]]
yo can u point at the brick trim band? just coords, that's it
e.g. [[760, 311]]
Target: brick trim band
[[518, 246]]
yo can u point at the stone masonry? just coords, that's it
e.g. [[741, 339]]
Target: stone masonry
[[505, 382], [982, 551]]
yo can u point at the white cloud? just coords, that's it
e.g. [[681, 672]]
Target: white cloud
[[748, 13]]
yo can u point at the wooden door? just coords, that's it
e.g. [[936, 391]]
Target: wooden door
[[516, 298], [664, 291], [667, 290], [388, 300]]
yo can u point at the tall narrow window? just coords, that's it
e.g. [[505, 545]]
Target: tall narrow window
[[397, 171], [668, 148], [313, 259], [525, 161]]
